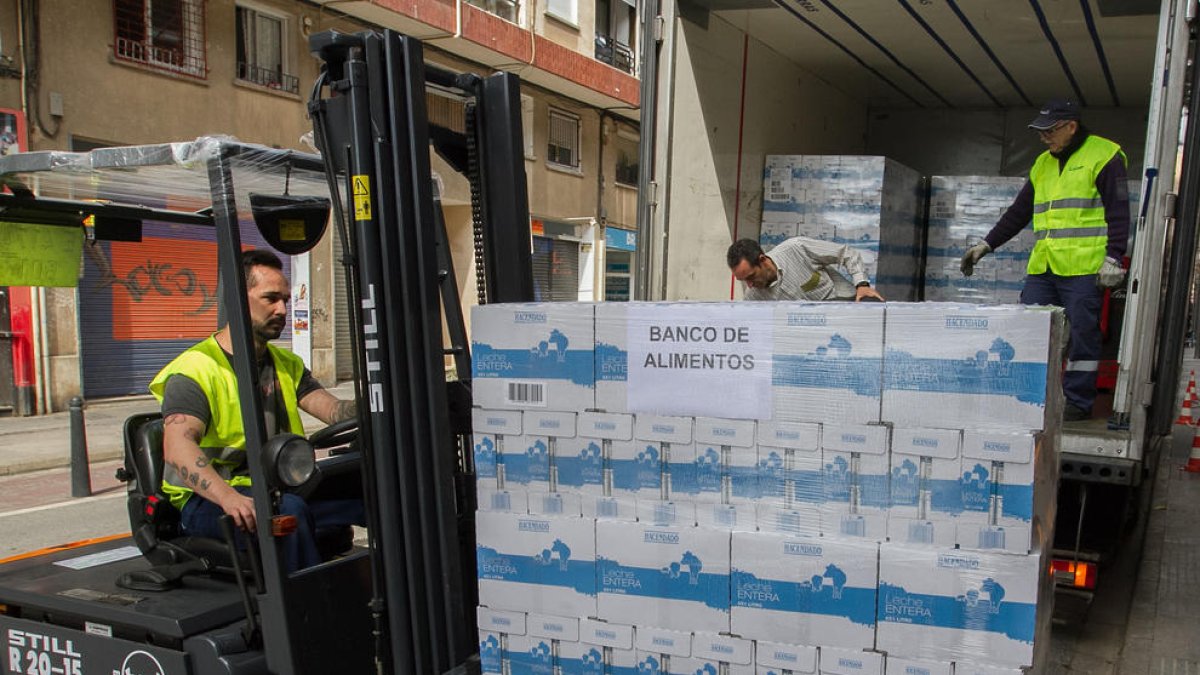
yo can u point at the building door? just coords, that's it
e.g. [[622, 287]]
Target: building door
[[142, 303]]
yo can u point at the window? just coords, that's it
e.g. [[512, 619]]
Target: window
[[527, 125], [564, 140], [615, 21], [505, 9], [262, 50], [555, 270], [564, 10], [626, 147], [167, 34]]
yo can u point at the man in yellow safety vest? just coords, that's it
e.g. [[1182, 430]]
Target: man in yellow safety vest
[[1077, 198], [206, 469]]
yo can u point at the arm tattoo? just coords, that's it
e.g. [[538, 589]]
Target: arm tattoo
[[345, 410], [176, 418], [204, 484], [202, 461]]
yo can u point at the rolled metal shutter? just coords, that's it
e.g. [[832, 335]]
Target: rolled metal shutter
[[142, 303], [555, 270]]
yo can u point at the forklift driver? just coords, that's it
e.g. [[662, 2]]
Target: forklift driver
[[206, 471]]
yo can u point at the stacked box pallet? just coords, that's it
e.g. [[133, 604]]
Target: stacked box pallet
[[962, 210], [764, 487], [874, 204]]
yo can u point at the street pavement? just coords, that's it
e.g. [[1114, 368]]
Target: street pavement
[[35, 452]]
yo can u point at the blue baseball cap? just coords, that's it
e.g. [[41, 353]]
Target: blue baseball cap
[[1056, 110]]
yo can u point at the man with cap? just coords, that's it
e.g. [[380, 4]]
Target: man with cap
[[1077, 198]]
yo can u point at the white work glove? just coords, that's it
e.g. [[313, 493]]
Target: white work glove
[[1111, 274], [973, 256]]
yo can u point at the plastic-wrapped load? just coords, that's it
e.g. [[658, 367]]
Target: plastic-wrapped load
[[533, 356], [969, 367], [962, 210], [873, 204], [950, 604]]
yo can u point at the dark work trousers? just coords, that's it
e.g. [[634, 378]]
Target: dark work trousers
[[1081, 298], [201, 518]]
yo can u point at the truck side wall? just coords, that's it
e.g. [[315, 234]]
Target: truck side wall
[[786, 110]]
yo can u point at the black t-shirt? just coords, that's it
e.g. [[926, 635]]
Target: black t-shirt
[[182, 394]]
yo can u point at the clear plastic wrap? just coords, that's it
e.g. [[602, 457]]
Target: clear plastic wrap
[[873, 204], [767, 523], [166, 175], [951, 604]]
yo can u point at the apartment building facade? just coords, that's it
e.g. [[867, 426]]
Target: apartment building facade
[[84, 74]]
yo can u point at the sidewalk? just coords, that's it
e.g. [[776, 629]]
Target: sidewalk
[[44, 441]]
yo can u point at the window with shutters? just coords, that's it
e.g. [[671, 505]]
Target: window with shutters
[[165, 34], [564, 10], [563, 148], [263, 50]]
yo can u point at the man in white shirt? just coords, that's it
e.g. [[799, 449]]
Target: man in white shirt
[[800, 269]]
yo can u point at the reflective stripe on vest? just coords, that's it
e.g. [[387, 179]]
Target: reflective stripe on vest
[[1068, 211], [224, 440]]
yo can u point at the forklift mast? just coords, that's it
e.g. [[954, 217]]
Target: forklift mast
[[369, 117]]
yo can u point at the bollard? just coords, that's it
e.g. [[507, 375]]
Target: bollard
[[81, 478]]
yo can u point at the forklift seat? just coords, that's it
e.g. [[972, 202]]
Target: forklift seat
[[153, 521]]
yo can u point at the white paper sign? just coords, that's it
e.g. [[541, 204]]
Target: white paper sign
[[703, 359]]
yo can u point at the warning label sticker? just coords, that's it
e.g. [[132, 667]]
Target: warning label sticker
[[362, 197]]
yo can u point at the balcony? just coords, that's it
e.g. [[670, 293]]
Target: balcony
[[266, 77], [614, 53]]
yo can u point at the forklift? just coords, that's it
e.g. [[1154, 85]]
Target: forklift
[[157, 602]]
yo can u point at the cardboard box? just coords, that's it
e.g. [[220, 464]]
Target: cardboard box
[[970, 367], [773, 658], [925, 486], [723, 649], [900, 666], [815, 591], [592, 470], [790, 468], [950, 604], [490, 430], [855, 480], [669, 439], [545, 565], [653, 640], [1008, 485], [506, 501], [606, 634], [967, 668], [635, 470], [495, 629], [533, 356], [716, 439], [667, 577], [828, 362], [850, 662]]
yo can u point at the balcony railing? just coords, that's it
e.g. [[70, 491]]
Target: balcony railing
[[614, 53], [266, 77]]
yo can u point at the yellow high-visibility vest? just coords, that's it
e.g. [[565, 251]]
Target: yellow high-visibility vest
[[224, 441], [1068, 213]]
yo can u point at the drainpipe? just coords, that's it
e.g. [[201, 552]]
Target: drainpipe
[[649, 25]]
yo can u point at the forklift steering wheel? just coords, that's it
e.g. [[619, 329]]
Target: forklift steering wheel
[[336, 434]]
